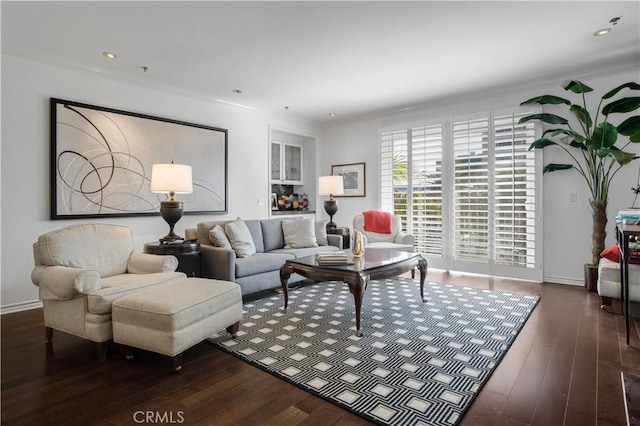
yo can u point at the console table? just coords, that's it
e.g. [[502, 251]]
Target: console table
[[187, 253], [624, 234]]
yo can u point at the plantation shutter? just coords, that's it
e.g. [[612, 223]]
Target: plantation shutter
[[515, 193], [471, 195], [394, 173], [427, 198]]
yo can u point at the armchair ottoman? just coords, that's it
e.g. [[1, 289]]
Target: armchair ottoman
[[172, 318]]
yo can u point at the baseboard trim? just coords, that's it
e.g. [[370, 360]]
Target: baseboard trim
[[19, 307]]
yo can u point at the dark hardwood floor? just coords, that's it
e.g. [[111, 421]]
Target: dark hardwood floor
[[563, 369]]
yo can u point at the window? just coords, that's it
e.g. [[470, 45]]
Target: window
[[466, 187]]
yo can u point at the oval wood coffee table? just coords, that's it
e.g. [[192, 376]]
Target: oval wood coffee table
[[377, 264]]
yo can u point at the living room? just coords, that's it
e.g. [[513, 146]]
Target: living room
[[30, 79]]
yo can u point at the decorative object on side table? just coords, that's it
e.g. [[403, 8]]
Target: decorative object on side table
[[330, 185], [354, 177], [187, 253], [171, 179]]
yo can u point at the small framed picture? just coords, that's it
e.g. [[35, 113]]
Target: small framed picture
[[274, 201], [354, 176]]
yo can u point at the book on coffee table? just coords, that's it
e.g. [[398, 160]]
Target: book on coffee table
[[333, 258]]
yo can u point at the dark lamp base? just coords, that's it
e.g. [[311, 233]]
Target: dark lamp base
[[171, 212], [331, 207]]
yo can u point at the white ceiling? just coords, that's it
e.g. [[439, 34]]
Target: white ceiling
[[348, 58]]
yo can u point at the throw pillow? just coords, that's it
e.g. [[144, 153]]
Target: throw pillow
[[299, 233], [240, 238], [321, 233], [219, 238], [612, 253]]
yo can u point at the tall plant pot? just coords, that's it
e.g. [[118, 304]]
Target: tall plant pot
[[591, 277]]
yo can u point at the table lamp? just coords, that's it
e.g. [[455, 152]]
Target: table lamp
[[171, 179], [331, 185]]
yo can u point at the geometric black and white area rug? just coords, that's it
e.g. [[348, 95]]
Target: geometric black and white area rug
[[416, 363]]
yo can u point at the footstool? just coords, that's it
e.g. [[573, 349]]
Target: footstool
[[171, 318]]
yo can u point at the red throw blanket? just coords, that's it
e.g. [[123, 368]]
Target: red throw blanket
[[375, 221]]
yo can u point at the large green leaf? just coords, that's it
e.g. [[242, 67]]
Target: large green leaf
[[630, 85], [623, 157], [622, 105], [604, 136], [576, 86], [547, 118], [582, 114], [541, 143], [629, 126], [553, 167], [572, 138], [547, 100]]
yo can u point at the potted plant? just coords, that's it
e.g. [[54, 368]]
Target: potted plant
[[595, 147]]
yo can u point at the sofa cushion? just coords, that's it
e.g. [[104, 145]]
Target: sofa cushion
[[260, 263], [219, 238], [113, 287], [299, 233], [240, 238], [321, 232], [255, 229], [272, 234]]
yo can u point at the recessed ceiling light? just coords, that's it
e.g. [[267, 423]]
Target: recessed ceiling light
[[602, 31], [332, 114], [109, 55]]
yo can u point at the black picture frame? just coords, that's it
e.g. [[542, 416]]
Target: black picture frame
[[355, 178], [101, 161]]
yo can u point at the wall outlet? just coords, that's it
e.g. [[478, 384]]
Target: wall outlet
[[260, 201], [573, 197]]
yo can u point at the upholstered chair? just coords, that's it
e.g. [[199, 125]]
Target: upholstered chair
[[397, 239], [81, 269]]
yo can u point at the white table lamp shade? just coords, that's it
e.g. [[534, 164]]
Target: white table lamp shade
[[166, 178], [330, 185]]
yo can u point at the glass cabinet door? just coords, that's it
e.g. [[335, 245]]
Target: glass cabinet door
[[275, 162], [292, 163]]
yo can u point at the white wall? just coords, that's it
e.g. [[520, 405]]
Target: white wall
[[566, 225], [26, 88]]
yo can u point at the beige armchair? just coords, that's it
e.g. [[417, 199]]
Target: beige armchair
[[81, 269], [396, 240]]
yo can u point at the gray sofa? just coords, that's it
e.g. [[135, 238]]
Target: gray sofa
[[259, 271]]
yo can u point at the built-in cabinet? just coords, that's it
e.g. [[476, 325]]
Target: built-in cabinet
[[292, 172], [287, 163]]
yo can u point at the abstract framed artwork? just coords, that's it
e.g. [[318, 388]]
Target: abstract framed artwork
[[354, 176], [101, 161]]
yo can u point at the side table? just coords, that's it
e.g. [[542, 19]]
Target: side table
[[187, 253], [346, 235]]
